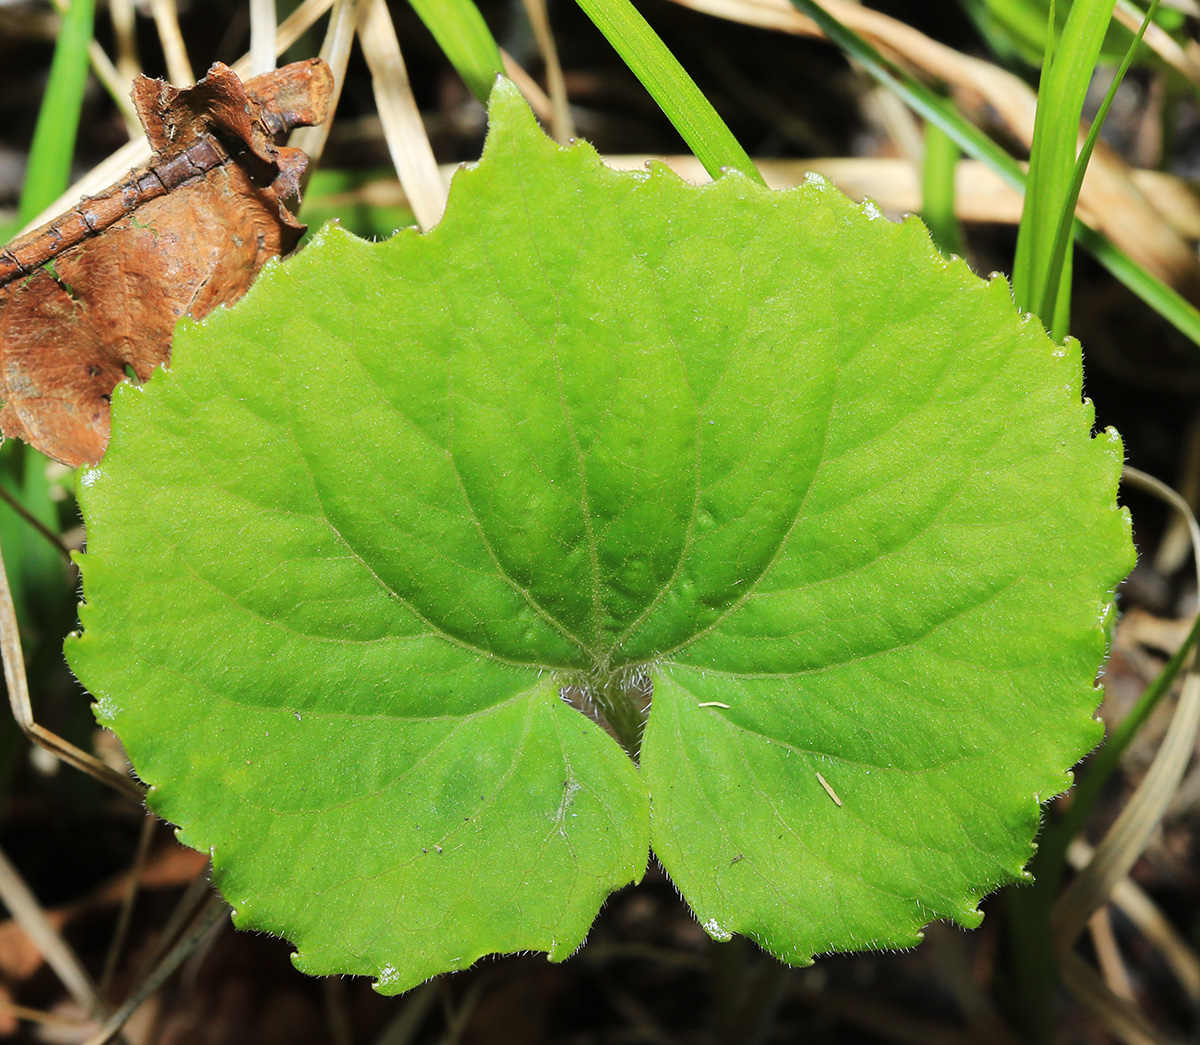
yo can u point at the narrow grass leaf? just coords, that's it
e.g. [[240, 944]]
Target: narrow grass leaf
[[1019, 28], [1054, 302], [49, 170], [466, 41], [937, 188], [652, 62], [1165, 300], [112, 81], [1064, 83]]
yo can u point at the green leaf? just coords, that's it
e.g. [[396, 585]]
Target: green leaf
[[683, 103], [766, 453], [464, 37]]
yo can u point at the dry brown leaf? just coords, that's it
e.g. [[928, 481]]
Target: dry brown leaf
[[97, 292]]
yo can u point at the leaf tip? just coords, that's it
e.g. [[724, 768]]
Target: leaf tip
[[105, 709], [871, 209], [511, 122], [389, 981], [969, 916], [716, 930]]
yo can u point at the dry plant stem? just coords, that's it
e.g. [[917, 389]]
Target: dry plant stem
[[402, 126], [1108, 954], [1175, 951], [189, 974], [30, 916], [898, 122], [1128, 836], [166, 21], [335, 49], [539, 100], [211, 914], [561, 123], [198, 890], [18, 696], [125, 30], [1124, 1021], [1159, 41], [125, 916], [289, 30], [48, 1019], [262, 36], [137, 152], [1142, 815], [1176, 544], [36, 523]]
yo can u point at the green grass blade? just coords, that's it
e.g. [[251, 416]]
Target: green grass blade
[[1165, 300], [1052, 299], [937, 189], [465, 39], [676, 93], [1065, 76], [49, 171]]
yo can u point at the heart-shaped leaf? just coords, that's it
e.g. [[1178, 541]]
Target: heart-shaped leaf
[[823, 496]]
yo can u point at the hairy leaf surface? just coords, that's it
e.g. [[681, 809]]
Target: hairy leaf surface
[[827, 495]]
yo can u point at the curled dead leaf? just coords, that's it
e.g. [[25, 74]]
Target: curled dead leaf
[[95, 294]]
